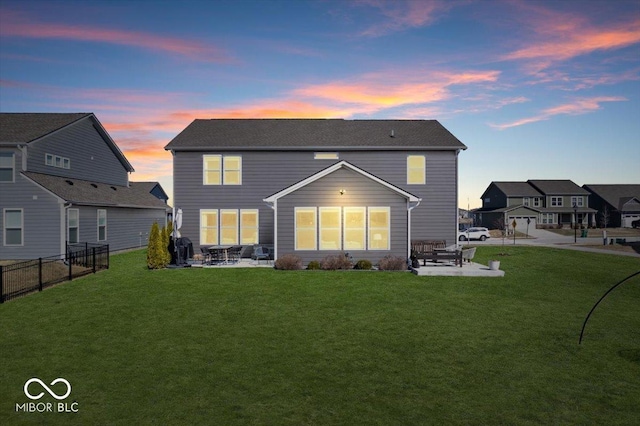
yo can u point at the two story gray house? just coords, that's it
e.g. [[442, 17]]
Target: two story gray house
[[535, 203], [315, 187], [64, 180], [617, 205]]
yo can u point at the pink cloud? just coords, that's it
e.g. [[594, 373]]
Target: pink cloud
[[400, 15], [578, 107], [15, 25]]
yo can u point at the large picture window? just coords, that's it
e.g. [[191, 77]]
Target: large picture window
[[354, 228], [416, 170], [6, 166], [208, 227], [379, 224], [306, 228], [102, 225], [330, 228], [229, 227], [13, 227], [73, 226]]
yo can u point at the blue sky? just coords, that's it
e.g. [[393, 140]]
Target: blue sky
[[535, 89]]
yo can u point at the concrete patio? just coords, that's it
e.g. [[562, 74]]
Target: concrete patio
[[450, 270]]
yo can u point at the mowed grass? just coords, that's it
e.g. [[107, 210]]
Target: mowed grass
[[264, 347]]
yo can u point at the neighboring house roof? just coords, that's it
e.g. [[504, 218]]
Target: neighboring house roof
[[516, 189], [25, 128], [82, 192], [342, 164], [615, 195], [558, 187], [313, 134], [150, 186]]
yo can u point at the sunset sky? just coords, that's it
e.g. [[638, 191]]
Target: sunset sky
[[535, 89]]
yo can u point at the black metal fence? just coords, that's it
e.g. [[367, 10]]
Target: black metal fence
[[28, 276]]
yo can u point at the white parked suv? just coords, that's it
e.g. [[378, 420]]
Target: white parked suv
[[476, 233]]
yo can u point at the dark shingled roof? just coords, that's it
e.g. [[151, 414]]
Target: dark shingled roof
[[84, 192], [558, 187], [517, 189], [615, 195], [26, 127], [268, 134]]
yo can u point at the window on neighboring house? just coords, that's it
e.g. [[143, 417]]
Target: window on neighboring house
[[232, 170], [354, 228], [306, 229], [228, 226], [325, 156], [102, 225], [547, 218], [7, 164], [249, 230], [577, 201], [73, 226], [13, 227], [330, 229], [536, 202], [379, 224], [57, 161], [416, 170], [526, 201], [556, 201], [208, 227]]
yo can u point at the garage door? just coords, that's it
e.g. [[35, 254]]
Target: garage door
[[521, 223], [627, 219]]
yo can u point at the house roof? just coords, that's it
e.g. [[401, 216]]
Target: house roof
[[25, 128], [558, 187], [150, 186], [615, 195], [327, 171], [313, 134], [517, 189], [83, 192]]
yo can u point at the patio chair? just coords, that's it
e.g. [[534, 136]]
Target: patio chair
[[234, 254], [468, 254], [261, 253], [206, 256]]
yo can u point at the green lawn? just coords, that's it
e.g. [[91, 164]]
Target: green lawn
[[258, 346]]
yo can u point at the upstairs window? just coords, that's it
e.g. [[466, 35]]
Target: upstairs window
[[7, 165], [577, 201], [556, 201], [525, 201], [57, 161], [416, 170], [222, 170], [13, 227], [536, 202]]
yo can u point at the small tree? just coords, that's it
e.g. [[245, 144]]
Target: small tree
[[604, 217], [155, 249], [164, 254]]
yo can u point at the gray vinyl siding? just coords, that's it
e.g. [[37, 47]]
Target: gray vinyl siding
[[41, 220], [126, 228], [90, 155], [265, 173], [361, 192]]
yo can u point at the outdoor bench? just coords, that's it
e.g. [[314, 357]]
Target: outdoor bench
[[434, 250]]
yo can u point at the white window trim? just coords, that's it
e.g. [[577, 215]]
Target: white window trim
[[578, 201], [98, 225], [536, 202], [423, 169], [216, 226], [370, 229], [64, 162], [339, 227], [257, 227], [204, 170], [560, 198], [223, 211], [239, 170], [13, 168], [69, 227], [315, 228], [4, 227], [362, 210], [526, 201]]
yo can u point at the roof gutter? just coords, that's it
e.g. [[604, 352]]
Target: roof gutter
[[313, 148]]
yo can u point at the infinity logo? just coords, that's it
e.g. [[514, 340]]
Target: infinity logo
[[52, 393]]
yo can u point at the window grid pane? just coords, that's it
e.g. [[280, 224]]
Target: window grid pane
[[354, 228], [232, 170], [209, 227], [379, 228], [228, 227], [305, 224], [330, 232], [416, 170], [212, 165], [249, 226]]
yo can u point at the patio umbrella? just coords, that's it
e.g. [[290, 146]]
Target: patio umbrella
[[177, 224]]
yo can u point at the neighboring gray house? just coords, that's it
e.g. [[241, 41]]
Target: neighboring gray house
[[63, 179], [534, 203], [316, 187], [620, 202]]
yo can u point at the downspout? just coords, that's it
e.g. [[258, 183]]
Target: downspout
[[410, 206], [63, 226], [457, 209], [274, 206]]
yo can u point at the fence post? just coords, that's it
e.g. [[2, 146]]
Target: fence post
[[107, 256], [40, 273], [93, 252], [86, 254], [70, 268], [1, 284]]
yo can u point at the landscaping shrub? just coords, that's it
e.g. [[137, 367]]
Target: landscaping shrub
[[314, 264], [289, 262], [392, 263], [156, 249], [336, 261], [363, 264]]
